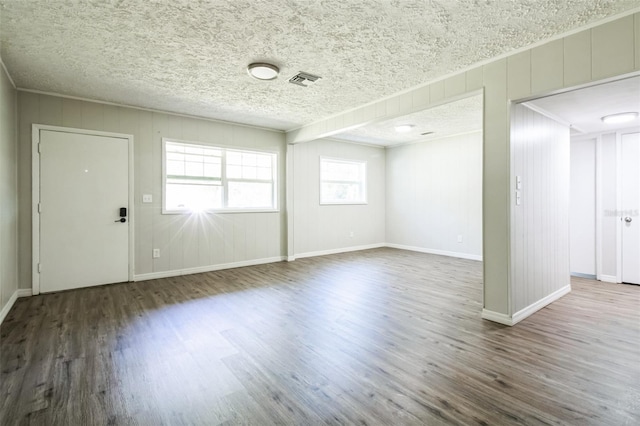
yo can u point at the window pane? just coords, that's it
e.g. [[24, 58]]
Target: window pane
[[175, 168], [194, 178], [249, 172], [264, 173], [234, 172], [250, 195], [342, 181], [192, 197], [234, 157], [341, 192]]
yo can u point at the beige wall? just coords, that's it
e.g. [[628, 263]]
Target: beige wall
[[604, 51], [318, 229], [434, 196], [8, 195], [188, 243]]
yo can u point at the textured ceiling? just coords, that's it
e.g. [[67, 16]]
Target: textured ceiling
[[445, 120], [190, 56], [584, 108]]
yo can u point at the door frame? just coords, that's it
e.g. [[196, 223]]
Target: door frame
[[35, 195]]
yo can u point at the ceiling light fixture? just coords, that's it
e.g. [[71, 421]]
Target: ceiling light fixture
[[622, 117], [404, 128], [263, 71]]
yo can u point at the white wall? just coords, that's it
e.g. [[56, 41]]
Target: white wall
[[8, 196], [583, 207], [326, 228], [540, 233], [187, 242], [434, 195]]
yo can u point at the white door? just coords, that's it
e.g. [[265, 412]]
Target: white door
[[630, 173], [84, 181]]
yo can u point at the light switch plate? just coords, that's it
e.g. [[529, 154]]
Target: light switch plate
[[147, 198]]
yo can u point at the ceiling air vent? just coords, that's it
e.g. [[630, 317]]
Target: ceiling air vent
[[303, 79]]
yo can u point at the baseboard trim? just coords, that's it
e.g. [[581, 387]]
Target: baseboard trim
[[25, 292], [338, 250], [497, 317], [608, 278], [581, 275], [438, 252], [6, 308], [534, 307], [526, 312], [208, 268]]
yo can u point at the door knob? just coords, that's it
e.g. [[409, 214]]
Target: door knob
[[121, 220], [628, 219]]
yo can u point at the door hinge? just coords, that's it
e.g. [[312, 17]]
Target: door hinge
[[39, 207], [38, 147], [39, 267]]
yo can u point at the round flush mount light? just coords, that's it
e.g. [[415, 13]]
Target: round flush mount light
[[263, 71], [622, 117], [404, 128]]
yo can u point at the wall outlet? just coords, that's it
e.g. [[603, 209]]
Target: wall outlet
[[459, 238], [147, 198], [351, 234], [156, 253]]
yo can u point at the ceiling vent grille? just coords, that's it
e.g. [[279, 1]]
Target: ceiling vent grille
[[303, 77]]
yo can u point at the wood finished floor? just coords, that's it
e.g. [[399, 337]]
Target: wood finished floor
[[379, 337]]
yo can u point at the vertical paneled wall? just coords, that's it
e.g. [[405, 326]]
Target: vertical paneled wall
[[324, 228], [540, 222], [583, 207], [185, 241], [8, 193], [434, 195]]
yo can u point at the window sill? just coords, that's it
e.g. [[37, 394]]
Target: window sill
[[226, 211], [353, 203]]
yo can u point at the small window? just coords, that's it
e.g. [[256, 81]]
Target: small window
[[343, 181], [202, 177]]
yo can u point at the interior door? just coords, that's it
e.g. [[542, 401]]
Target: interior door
[[84, 183], [630, 173]]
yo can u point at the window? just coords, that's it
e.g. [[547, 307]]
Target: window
[[343, 181], [201, 177]]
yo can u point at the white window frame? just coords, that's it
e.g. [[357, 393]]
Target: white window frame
[[363, 183], [224, 179]]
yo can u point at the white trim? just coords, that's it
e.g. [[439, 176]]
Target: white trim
[[6, 71], [497, 317], [438, 252], [598, 200], [337, 251], [290, 258], [209, 268], [289, 204], [536, 306], [608, 279], [476, 65], [24, 292], [618, 207], [526, 312], [6, 308], [35, 195], [157, 111]]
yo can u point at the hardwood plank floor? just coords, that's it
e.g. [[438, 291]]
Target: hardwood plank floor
[[378, 337]]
